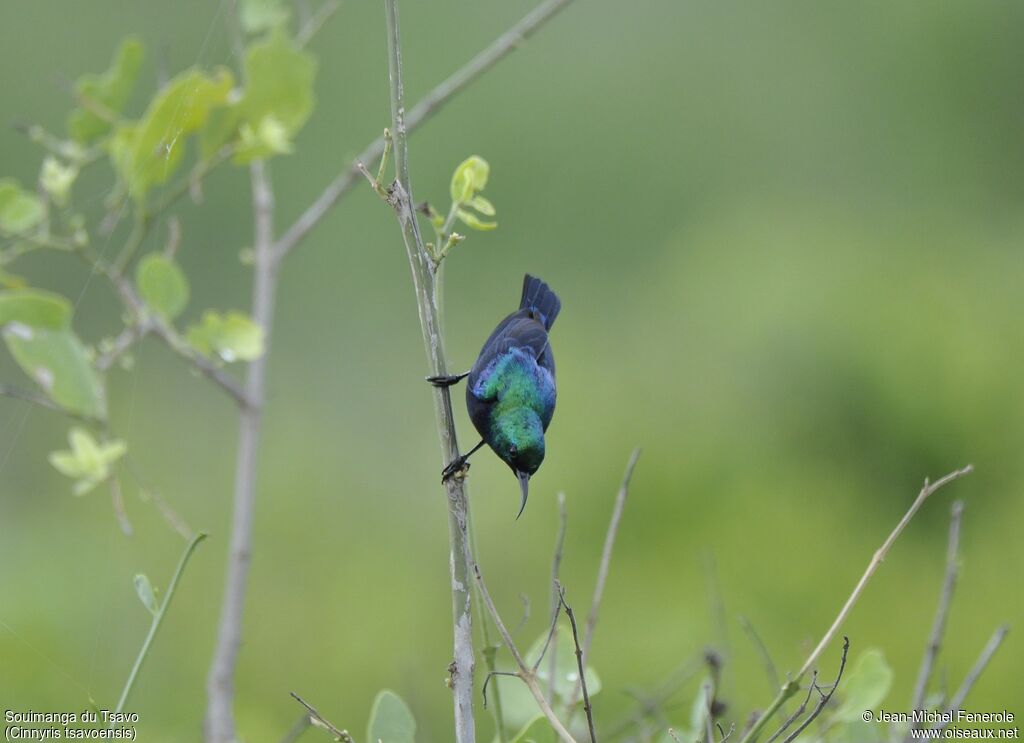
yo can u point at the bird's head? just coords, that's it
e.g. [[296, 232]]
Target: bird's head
[[519, 441]]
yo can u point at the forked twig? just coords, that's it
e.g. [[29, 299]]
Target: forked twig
[[825, 697], [790, 687], [525, 672], [580, 664], [320, 721]]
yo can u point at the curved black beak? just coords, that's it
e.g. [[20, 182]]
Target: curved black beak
[[524, 485]]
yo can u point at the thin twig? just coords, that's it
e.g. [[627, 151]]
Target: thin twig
[[158, 619], [30, 396], [423, 110], [606, 552], [939, 624], [220, 686], [605, 565], [977, 669], [296, 731], [312, 25], [825, 698], [127, 338], [492, 674], [319, 720], [799, 710], [117, 499], [769, 665], [525, 672], [556, 565], [580, 665], [790, 687], [400, 198], [652, 704]]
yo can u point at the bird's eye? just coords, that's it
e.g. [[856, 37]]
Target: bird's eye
[[513, 450]]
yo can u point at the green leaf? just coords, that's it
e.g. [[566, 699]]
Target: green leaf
[[34, 308], [390, 720], [261, 15], [56, 178], [279, 83], [482, 205], [233, 337], [162, 284], [270, 138], [537, 730], [20, 210], [474, 222], [469, 177], [149, 152], [144, 590], [109, 90], [866, 686], [57, 361], [277, 101]]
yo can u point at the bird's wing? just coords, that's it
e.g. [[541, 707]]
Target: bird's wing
[[522, 329]]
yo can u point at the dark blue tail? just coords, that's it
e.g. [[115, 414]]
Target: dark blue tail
[[538, 296]]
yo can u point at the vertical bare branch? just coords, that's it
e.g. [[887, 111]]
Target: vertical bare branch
[[220, 685], [400, 197], [939, 624]]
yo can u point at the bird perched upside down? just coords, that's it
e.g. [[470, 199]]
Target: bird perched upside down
[[511, 388]]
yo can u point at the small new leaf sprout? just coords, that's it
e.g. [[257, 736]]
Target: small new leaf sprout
[[88, 462], [472, 221], [269, 137], [57, 179], [384, 155], [468, 180], [232, 336], [146, 593], [469, 177]]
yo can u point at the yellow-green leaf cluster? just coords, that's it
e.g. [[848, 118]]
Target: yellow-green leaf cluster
[[88, 462], [149, 151], [231, 337], [468, 180], [105, 95]]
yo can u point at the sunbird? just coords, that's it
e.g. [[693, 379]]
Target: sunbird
[[510, 392]]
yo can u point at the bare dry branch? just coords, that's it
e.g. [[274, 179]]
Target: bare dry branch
[[977, 669], [579, 665], [525, 672], [939, 624], [825, 697], [423, 110], [320, 721], [790, 687]]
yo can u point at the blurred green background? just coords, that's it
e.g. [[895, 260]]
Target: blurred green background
[[788, 242]]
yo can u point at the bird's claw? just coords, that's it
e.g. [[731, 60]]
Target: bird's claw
[[447, 380], [458, 468]]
